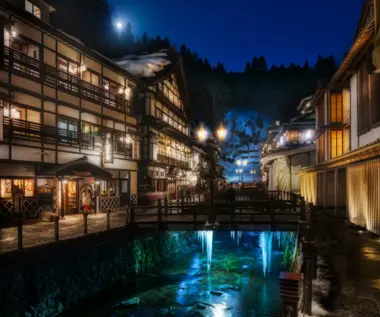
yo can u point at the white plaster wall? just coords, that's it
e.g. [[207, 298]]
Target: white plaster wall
[[21, 153], [354, 112], [369, 137]]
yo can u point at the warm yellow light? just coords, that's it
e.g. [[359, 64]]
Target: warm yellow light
[[221, 132], [241, 171], [245, 162], [237, 171], [127, 93], [121, 90], [238, 162], [83, 68], [202, 133]]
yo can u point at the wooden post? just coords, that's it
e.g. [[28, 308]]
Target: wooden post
[[132, 214], [271, 211], [159, 217], [85, 224], [303, 209], [56, 228], [307, 288], [166, 205], [290, 293], [19, 233], [182, 203], [309, 252], [108, 219]]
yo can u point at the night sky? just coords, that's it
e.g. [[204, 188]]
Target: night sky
[[233, 32]]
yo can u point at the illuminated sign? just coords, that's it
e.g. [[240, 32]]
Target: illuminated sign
[[108, 149]]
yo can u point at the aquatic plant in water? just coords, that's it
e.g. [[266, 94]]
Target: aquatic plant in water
[[206, 240]]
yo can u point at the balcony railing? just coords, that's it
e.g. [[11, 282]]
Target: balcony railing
[[21, 63], [171, 161], [14, 128], [26, 65]]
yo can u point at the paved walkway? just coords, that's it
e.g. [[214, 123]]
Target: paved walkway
[[348, 283], [71, 227]]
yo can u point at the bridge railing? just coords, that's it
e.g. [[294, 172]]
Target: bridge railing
[[228, 212]]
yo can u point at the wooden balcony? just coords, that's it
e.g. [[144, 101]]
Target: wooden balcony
[[34, 69], [171, 161], [21, 129]]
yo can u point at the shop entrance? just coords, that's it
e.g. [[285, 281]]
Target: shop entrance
[[71, 197]]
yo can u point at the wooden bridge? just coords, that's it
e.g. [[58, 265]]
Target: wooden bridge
[[277, 211]]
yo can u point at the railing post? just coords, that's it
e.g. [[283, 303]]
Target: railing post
[[303, 209], [307, 288], [290, 293], [159, 216], [271, 210], [126, 215], [166, 205], [19, 233], [108, 219], [85, 225], [56, 228], [171, 207], [132, 214], [182, 203]]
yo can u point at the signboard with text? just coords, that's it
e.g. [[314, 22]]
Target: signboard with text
[[108, 148]]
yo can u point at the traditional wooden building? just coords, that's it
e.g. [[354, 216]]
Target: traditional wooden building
[[64, 108], [171, 158], [346, 177], [289, 148]]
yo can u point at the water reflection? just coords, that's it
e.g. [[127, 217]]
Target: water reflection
[[224, 275]]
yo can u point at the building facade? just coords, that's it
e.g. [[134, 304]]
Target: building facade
[[346, 176], [63, 107], [289, 148], [171, 159]]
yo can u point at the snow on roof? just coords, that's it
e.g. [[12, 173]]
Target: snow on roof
[[72, 37], [146, 65]]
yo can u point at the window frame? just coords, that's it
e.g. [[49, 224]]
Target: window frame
[[336, 108], [337, 146], [33, 9]]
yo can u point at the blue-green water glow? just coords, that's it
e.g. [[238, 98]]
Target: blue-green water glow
[[225, 274]]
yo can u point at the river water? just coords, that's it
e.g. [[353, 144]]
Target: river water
[[224, 274]]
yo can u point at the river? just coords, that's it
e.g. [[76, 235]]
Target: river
[[224, 274]]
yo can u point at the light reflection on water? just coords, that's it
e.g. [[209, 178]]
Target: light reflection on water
[[233, 285]]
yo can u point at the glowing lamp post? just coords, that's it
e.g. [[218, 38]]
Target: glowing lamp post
[[203, 136], [253, 173]]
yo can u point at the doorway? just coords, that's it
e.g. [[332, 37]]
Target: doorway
[[71, 197], [124, 192]]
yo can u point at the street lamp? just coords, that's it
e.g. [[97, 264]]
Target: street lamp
[[203, 135], [221, 132], [253, 173]]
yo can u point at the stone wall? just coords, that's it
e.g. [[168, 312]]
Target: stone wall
[[47, 280]]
